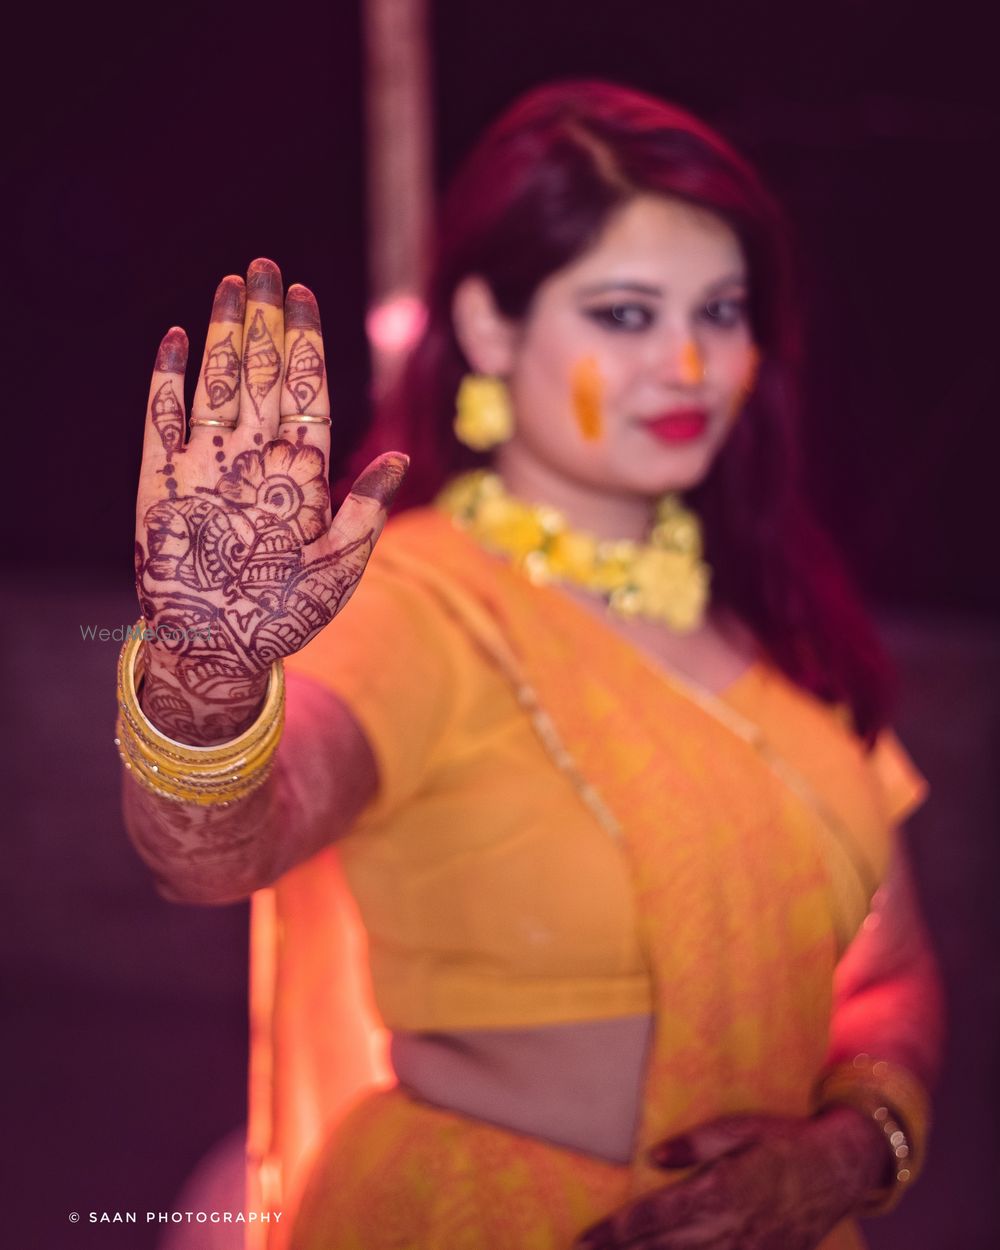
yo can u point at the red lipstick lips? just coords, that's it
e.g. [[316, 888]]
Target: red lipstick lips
[[679, 425]]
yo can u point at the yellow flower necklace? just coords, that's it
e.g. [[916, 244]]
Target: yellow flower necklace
[[664, 579]]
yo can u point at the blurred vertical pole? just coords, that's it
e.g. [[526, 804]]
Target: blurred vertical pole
[[399, 159]]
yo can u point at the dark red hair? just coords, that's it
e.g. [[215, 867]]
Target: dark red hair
[[534, 194]]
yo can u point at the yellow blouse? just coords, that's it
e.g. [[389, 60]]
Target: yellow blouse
[[491, 895]]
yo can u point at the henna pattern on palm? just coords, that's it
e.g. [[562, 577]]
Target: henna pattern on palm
[[304, 375], [261, 361], [222, 373], [225, 582]]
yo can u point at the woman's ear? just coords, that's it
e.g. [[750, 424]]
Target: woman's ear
[[485, 335]]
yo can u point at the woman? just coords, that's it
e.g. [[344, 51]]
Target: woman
[[618, 812]]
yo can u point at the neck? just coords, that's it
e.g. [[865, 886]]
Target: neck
[[596, 510]]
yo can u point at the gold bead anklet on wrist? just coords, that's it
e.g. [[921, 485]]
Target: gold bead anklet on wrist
[[208, 776]]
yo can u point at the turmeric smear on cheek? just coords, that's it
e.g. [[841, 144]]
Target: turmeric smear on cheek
[[587, 389]]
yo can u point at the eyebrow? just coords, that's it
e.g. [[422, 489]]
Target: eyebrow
[[644, 288]]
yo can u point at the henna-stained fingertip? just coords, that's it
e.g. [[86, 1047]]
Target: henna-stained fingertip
[[173, 352], [383, 481]]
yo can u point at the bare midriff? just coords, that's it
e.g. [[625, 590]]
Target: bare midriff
[[577, 1085]]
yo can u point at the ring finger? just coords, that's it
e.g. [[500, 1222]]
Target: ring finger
[[305, 395]]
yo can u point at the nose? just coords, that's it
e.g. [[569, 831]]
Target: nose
[[692, 367], [682, 363]]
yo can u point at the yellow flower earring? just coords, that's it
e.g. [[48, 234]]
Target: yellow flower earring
[[483, 416]]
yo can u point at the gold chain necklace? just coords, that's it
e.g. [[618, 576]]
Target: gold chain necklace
[[664, 579]]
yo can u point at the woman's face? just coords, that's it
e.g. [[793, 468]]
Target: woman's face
[[632, 362]]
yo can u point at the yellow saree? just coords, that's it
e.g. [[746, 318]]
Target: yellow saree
[[755, 830]]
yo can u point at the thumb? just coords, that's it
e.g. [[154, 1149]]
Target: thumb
[[365, 509], [707, 1142], [382, 478]]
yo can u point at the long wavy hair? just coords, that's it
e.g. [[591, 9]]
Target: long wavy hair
[[532, 196]]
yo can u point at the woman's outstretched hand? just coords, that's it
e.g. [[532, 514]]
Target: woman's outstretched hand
[[238, 561], [759, 1182]]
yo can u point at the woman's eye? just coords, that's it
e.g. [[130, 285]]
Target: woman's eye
[[622, 316], [725, 312]]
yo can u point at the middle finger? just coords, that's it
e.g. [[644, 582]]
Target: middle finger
[[263, 349]]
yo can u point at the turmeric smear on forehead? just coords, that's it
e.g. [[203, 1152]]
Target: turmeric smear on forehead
[[587, 391]]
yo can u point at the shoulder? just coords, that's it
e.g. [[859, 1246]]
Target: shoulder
[[417, 531], [903, 786]]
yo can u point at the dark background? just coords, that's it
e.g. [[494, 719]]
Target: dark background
[[148, 158], [152, 151]]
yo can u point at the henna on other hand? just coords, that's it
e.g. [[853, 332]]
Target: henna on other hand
[[758, 1182]]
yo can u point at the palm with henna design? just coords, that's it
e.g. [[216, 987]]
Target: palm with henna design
[[238, 561], [758, 1182]]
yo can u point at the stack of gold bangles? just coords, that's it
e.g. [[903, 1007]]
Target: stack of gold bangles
[[898, 1104], [209, 776]]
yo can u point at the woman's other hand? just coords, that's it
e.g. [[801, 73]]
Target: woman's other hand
[[238, 560], [758, 1182]]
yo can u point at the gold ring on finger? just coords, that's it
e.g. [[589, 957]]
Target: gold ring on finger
[[216, 421], [305, 418]]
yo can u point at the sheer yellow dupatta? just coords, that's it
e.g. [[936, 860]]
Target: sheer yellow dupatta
[[747, 887]]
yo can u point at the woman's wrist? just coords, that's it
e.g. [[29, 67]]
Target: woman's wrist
[[181, 715], [892, 1108], [854, 1153], [171, 767]]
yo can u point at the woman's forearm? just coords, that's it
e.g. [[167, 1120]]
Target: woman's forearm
[[900, 1019], [889, 1001], [322, 776], [203, 854]]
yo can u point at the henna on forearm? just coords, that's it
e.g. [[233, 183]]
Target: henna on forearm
[[323, 775], [202, 854]]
